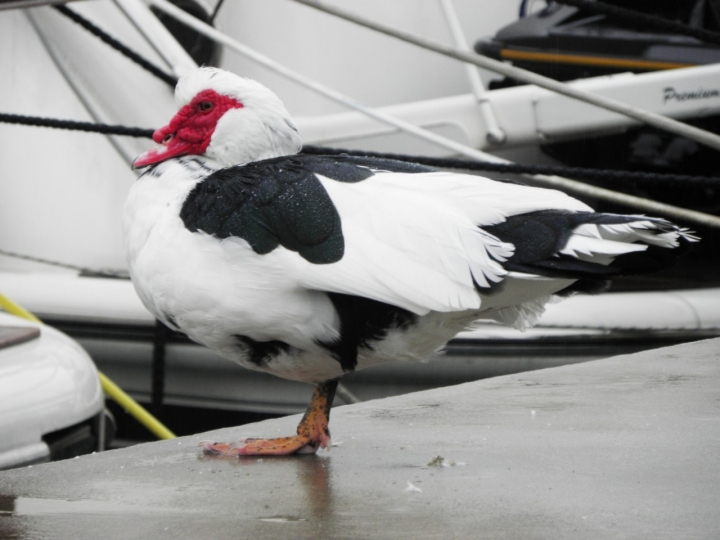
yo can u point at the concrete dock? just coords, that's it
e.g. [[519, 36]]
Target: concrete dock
[[626, 447]]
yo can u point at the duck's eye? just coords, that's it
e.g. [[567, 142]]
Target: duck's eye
[[167, 138], [206, 105]]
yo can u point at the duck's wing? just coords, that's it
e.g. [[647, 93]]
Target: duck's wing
[[407, 235]]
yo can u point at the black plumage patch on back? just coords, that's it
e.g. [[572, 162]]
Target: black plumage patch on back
[[281, 202], [268, 205], [363, 320], [261, 352]]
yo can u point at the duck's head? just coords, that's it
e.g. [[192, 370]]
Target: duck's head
[[227, 118]]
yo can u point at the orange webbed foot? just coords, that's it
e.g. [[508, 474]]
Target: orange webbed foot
[[312, 432]]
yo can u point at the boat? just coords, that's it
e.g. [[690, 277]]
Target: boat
[[64, 209]]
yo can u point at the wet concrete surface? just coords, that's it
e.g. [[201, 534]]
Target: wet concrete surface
[[627, 447]]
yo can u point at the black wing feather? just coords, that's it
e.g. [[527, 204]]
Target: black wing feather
[[277, 204], [539, 237]]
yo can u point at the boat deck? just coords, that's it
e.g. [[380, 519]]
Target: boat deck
[[625, 447]]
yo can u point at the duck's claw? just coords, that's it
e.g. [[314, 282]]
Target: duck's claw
[[211, 448]]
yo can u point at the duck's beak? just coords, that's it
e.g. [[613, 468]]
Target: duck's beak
[[170, 145], [160, 153]]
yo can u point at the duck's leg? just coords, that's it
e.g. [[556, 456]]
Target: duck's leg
[[312, 431]]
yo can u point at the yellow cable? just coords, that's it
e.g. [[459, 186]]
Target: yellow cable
[[109, 387], [14, 309], [134, 408]]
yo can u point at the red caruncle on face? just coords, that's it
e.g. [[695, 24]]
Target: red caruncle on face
[[190, 130]]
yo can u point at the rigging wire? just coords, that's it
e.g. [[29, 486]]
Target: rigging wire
[[84, 271]]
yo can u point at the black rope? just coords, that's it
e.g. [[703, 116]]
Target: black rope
[[115, 44], [446, 163], [644, 19], [215, 11], [75, 126], [516, 168]]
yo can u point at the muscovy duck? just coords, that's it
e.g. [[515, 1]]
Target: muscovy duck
[[309, 267]]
